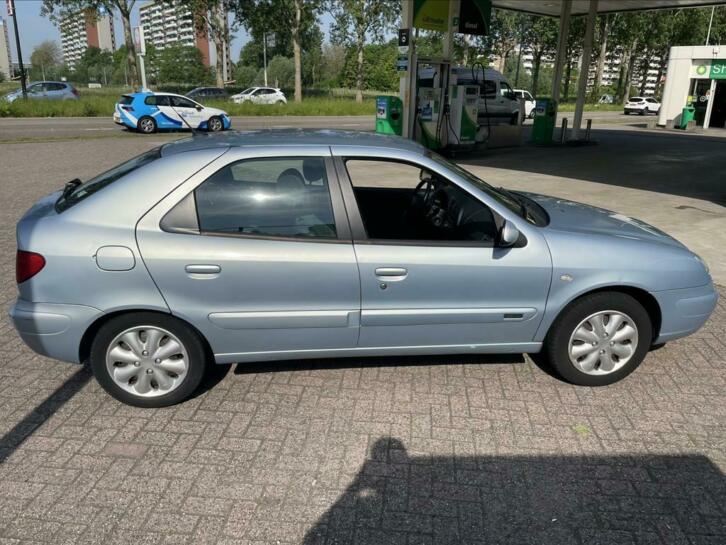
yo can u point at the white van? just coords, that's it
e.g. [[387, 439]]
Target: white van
[[498, 103], [497, 100]]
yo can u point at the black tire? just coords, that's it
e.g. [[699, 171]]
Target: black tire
[[146, 125], [190, 339], [556, 346], [215, 124], [643, 111], [280, 102]]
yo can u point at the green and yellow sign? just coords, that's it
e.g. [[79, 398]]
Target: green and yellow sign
[[431, 14], [710, 69]]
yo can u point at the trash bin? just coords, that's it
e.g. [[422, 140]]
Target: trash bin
[[545, 114], [688, 114], [389, 115]]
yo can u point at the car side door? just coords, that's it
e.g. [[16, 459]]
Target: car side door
[[431, 293], [255, 251]]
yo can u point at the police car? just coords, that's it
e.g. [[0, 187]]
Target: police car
[[148, 112]]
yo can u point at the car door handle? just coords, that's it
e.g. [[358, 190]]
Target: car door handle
[[392, 273], [203, 269]]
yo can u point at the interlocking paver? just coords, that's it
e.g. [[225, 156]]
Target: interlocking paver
[[383, 450]]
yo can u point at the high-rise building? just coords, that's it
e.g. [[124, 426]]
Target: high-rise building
[[84, 29], [5, 60], [167, 24]]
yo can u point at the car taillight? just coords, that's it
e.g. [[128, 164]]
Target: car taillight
[[75, 91], [27, 265]]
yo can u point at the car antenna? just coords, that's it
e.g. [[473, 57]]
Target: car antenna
[[195, 132]]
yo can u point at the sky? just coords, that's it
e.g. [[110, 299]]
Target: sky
[[35, 29]]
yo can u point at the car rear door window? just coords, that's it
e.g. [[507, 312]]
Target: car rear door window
[[280, 197]]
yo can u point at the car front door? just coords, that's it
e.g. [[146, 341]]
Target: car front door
[[450, 294], [255, 252]]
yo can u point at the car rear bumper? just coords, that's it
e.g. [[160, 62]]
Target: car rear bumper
[[53, 330], [684, 311]]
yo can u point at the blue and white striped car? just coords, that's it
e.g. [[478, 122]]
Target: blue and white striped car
[[148, 112]]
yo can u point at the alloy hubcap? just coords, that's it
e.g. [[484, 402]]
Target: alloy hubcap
[[603, 342], [147, 361], [215, 124], [147, 126]]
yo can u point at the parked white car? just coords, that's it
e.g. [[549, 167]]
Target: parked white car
[[529, 101], [642, 106], [260, 95]]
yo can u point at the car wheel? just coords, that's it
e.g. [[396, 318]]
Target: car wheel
[[215, 124], [147, 359], [146, 125], [643, 111], [280, 102], [599, 339]]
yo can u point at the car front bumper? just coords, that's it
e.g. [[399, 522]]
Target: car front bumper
[[684, 311], [53, 330]]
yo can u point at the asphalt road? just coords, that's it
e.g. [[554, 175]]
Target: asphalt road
[[56, 127], [43, 127]]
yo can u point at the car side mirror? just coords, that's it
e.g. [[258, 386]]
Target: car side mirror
[[508, 235], [198, 107]]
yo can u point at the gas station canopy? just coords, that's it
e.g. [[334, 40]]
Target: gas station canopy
[[581, 7]]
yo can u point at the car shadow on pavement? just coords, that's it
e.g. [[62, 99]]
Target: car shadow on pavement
[[15, 437], [373, 361], [397, 497], [677, 164]]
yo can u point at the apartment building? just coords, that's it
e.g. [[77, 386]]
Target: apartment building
[[167, 24], [84, 29], [5, 60]]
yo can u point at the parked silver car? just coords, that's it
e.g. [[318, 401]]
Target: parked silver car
[[48, 90], [273, 245]]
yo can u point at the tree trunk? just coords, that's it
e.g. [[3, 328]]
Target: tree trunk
[[130, 49], [219, 33], [296, 50], [629, 72], [604, 24], [644, 73], [535, 73], [568, 73], [359, 67]]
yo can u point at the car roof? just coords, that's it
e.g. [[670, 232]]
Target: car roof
[[291, 138]]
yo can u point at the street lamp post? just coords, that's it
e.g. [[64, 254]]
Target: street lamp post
[[11, 13]]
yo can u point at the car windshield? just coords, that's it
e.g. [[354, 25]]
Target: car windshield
[[501, 196], [96, 184], [247, 91]]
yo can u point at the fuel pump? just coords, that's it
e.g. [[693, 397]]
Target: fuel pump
[[431, 77], [461, 118]]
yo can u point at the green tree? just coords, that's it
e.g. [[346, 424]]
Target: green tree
[[95, 66], [47, 57], [280, 72], [57, 9], [182, 64], [286, 19], [540, 37], [357, 19], [245, 76], [379, 67], [505, 33], [332, 64]]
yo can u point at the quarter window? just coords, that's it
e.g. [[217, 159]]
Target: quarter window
[[281, 197]]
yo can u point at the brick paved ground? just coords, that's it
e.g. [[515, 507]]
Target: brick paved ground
[[405, 450]]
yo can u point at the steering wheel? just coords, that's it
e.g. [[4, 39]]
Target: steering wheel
[[429, 186]]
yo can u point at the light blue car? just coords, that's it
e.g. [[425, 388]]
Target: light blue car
[[275, 245], [48, 90], [149, 112]]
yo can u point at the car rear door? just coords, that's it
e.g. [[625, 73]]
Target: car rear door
[[440, 295], [255, 251]]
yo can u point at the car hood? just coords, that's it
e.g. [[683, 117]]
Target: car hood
[[582, 218]]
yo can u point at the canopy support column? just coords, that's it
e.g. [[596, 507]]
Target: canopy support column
[[406, 81], [561, 48], [584, 69]]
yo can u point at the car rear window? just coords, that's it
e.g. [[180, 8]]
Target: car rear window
[[126, 100], [96, 184], [636, 99]]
